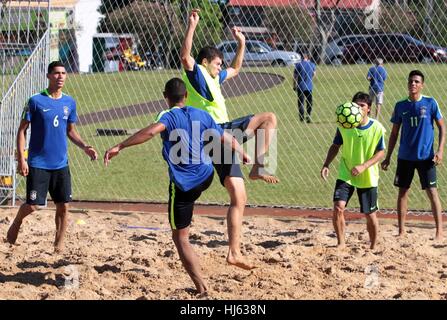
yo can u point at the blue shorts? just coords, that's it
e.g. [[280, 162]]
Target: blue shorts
[[405, 173], [181, 203], [41, 181], [232, 168], [367, 196]]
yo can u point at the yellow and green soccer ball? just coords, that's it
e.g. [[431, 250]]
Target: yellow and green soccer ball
[[349, 115]]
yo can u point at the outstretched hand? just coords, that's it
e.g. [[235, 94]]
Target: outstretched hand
[[91, 152], [112, 152]]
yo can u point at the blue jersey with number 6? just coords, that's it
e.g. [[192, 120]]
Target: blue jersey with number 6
[[49, 119], [416, 119]]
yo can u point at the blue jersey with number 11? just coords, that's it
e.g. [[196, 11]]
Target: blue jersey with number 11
[[416, 118], [49, 119]]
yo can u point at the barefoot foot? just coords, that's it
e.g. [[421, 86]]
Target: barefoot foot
[[258, 173], [240, 262]]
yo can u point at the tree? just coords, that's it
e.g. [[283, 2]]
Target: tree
[[291, 24], [432, 15], [154, 23], [325, 27], [108, 6], [406, 22], [209, 31], [161, 24]]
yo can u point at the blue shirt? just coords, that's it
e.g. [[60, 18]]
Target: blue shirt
[[378, 76], [198, 81], [338, 139], [49, 120], [186, 131], [416, 119], [304, 73]]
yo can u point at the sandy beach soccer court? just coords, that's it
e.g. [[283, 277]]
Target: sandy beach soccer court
[[126, 255]]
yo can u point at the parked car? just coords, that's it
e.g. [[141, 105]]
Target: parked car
[[333, 54], [258, 53], [336, 48], [394, 47]]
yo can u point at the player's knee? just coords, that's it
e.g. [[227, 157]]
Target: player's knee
[[338, 210], [270, 118], [61, 209], [239, 199], [28, 208], [179, 239]]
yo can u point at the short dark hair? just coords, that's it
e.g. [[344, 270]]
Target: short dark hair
[[416, 73], [54, 64], [175, 90], [209, 53], [362, 97]]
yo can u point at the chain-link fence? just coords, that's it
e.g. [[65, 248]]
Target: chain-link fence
[[24, 44], [120, 54]]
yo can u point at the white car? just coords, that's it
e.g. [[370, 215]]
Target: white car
[[258, 53]]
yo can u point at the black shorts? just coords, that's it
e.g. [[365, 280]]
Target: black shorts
[[229, 166], [181, 203], [405, 173], [367, 196], [41, 181]]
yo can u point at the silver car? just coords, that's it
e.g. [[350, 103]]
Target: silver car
[[258, 53]]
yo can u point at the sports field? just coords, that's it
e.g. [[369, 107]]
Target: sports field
[[140, 173], [129, 255]]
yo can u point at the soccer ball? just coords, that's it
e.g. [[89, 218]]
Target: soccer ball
[[349, 115]]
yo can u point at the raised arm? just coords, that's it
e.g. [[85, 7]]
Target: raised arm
[[141, 136], [185, 52], [439, 154], [391, 144], [74, 136], [236, 64]]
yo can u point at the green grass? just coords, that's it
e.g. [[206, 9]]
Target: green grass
[[139, 173]]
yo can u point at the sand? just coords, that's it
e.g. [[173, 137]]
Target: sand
[[296, 259]]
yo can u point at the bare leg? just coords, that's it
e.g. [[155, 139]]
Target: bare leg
[[189, 258], [437, 211], [378, 108], [61, 225], [238, 198], [262, 126], [13, 231], [402, 208], [338, 220], [372, 225]]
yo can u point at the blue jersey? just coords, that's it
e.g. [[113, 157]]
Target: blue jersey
[[304, 73], [416, 118], [183, 143], [198, 81], [378, 76], [49, 119]]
